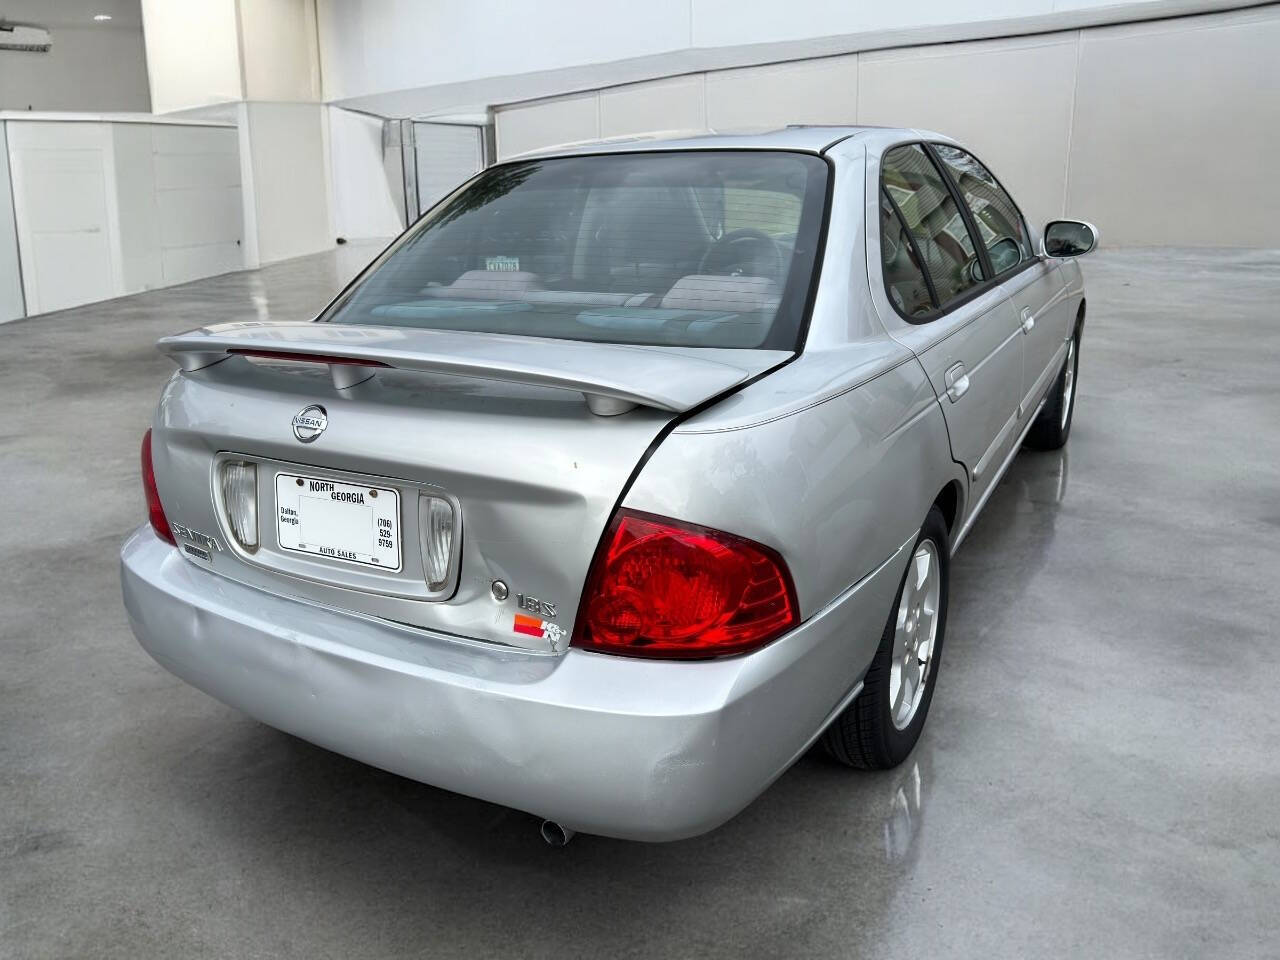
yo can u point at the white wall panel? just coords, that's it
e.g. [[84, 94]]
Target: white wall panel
[[178, 171], [289, 189], [181, 264], [183, 140], [97, 218], [725, 22], [198, 199], [381, 45], [675, 104], [364, 203], [1010, 100], [278, 43], [66, 269], [446, 154], [1115, 124], [63, 205], [530, 126], [199, 216], [193, 54], [410, 58], [11, 304], [814, 91], [179, 202], [1177, 131], [139, 214]]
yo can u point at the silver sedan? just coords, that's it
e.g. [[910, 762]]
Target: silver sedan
[[624, 476]]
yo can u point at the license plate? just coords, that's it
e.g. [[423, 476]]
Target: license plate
[[340, 521]]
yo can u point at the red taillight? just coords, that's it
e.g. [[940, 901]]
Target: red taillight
[[662, 588], [155, 512]]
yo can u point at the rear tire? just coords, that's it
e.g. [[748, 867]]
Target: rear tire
[[1053, 425], [878, 730]]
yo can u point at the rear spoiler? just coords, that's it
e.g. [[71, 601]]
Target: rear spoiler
[[613, 378]]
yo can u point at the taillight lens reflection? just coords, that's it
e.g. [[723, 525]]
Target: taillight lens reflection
[[663, 588], [155, 512], [240, 500]]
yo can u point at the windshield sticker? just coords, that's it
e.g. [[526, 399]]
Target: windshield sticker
[[502, 264]]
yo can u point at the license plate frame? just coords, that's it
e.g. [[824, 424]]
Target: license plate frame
[[326, 519]]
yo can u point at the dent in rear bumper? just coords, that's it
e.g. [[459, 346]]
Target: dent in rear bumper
[[646, 750]]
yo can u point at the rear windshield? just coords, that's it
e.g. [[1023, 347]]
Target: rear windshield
[[695, 249]]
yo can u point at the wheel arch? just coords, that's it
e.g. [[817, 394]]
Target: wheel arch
[[950, 500]]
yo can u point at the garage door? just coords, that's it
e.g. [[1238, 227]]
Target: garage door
[[446, 154]]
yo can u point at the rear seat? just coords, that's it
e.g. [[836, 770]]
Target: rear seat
[[527, 287], [722, 294], [488, 285], [703, 292]]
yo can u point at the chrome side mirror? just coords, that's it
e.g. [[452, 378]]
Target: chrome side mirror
[[1068, 238]]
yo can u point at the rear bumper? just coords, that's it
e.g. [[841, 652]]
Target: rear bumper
[[645, 750]]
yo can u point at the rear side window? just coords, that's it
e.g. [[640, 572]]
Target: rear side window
[[904, 281], [941, 242], [1004, 232], [693, 249]]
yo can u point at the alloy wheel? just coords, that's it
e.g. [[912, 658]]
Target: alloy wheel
[[915, 634]]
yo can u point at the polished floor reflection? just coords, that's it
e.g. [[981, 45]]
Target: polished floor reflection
[[1099, 777]]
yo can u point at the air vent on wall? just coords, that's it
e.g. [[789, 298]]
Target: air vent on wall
[[24, 36]]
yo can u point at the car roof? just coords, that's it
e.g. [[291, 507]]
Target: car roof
[[805, 138]]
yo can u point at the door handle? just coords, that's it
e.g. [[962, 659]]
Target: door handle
[[957, 382], [1028, 321]]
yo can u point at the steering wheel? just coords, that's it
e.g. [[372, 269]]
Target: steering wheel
[[747, 252]]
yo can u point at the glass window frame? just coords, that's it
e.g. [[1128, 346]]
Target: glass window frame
[[975, 235], [942, 165], [798, 296]]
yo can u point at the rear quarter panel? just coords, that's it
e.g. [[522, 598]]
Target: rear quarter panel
[[839, 486], [836, 481]]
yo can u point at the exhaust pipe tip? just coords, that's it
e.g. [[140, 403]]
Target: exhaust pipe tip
[[554, 834]]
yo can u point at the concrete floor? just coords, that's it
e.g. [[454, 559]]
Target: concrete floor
[[1100, 776]]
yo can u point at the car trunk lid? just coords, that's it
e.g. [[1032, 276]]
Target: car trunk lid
[[495, 425]]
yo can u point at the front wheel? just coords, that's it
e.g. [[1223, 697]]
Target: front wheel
[[880, 727], [1053, 425]]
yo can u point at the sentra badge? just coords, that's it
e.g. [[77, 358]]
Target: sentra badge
[[195, 536]]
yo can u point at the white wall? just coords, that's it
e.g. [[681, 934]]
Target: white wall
[[68, 230], [1112, 124], [261, 56], [178, 190], [1177, 131], [11, 304], [365, 205], [105, 209], [193, 55], [278, 43], [380, 45], [808, 91], [91, 67], [287, 193], [445, 155], [408, 58], [956, 88], [205, 52]]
